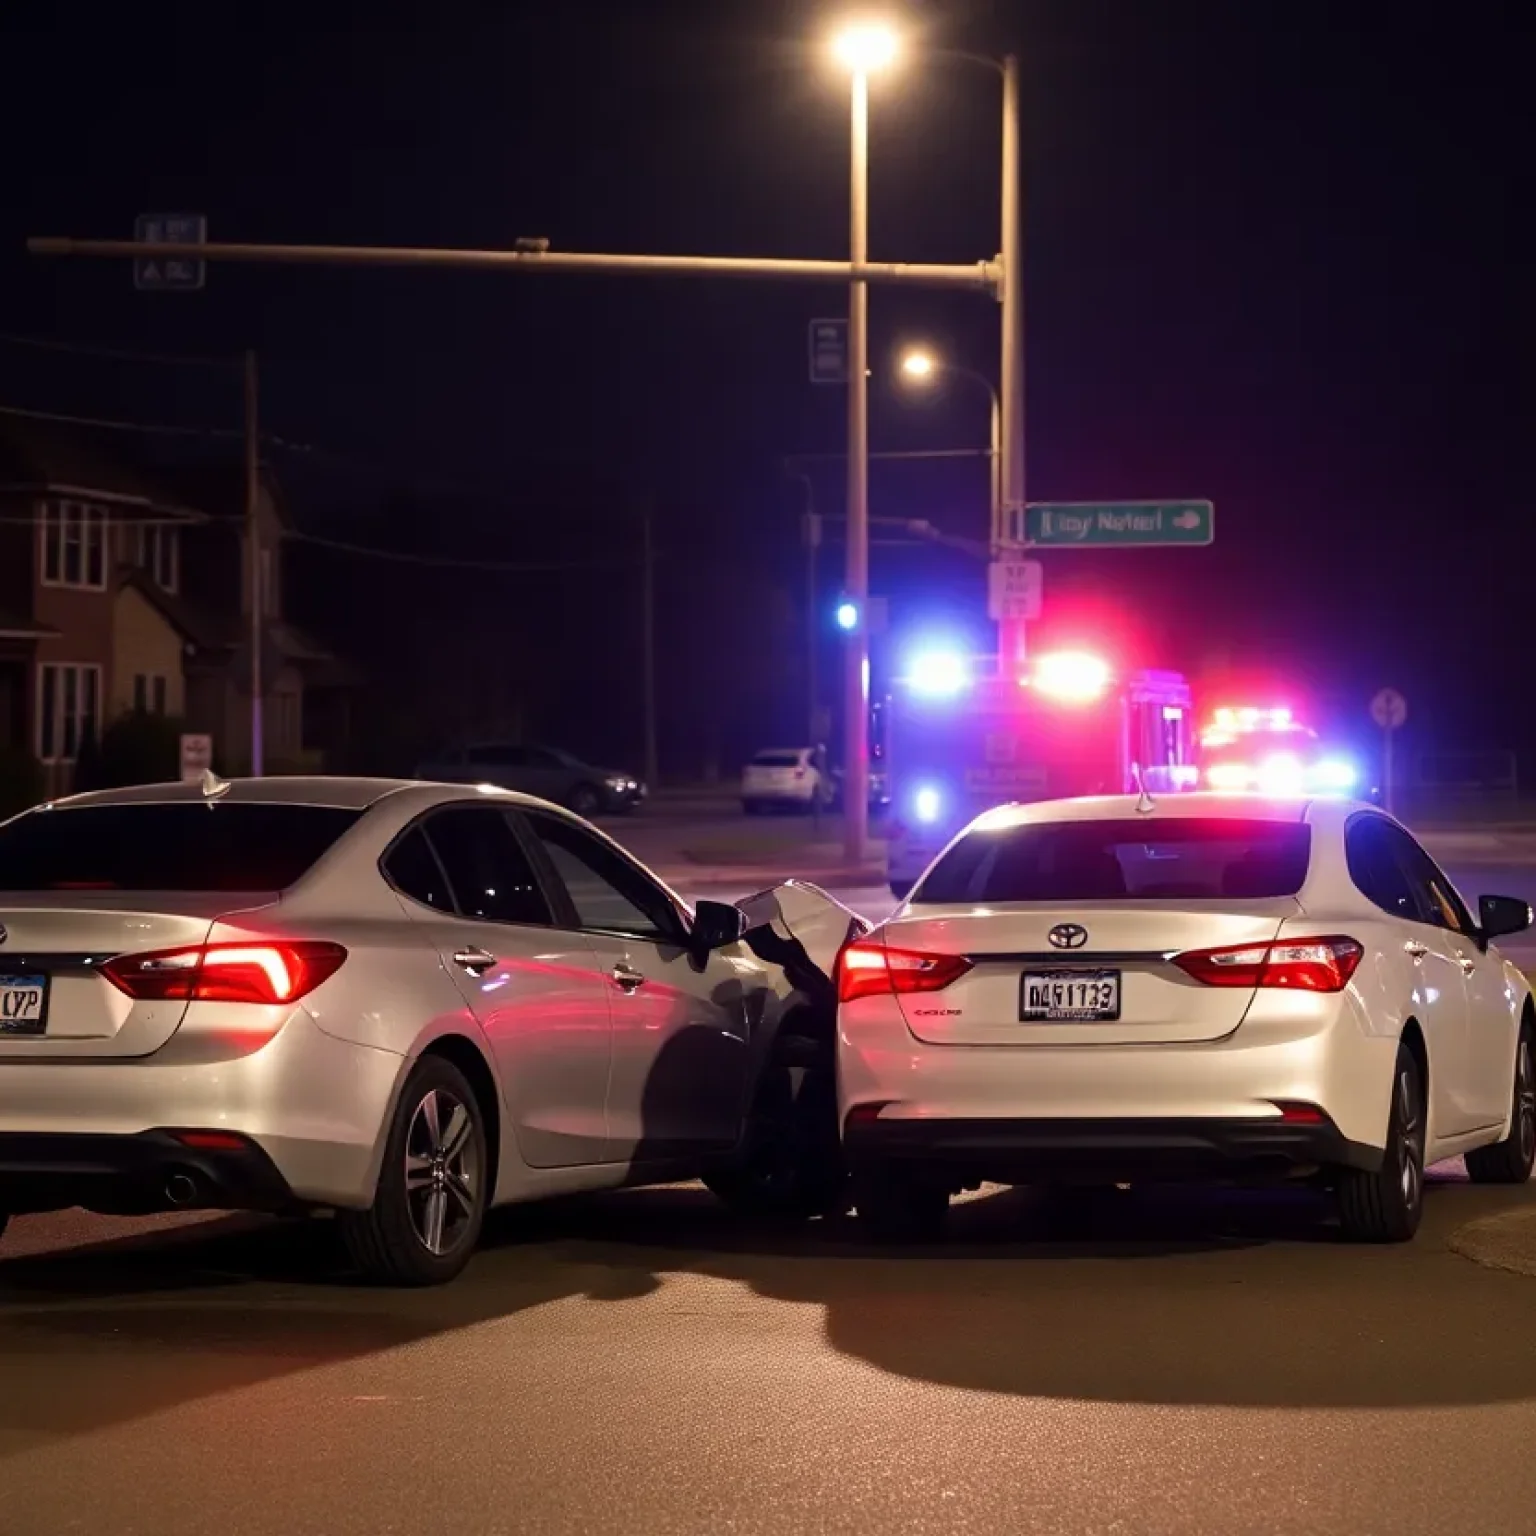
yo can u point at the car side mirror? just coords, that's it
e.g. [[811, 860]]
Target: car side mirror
[[716, 924], [1500, 915]]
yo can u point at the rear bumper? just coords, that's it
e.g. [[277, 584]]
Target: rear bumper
[[1105, 1151], [135, 1175]]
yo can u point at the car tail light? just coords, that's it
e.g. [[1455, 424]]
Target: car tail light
[[1292, 1113], [867, 969], [211, 1141], [1302, 965], [226, 973]]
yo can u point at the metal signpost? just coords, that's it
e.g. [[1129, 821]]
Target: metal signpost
[[158, 273], [1123, 525], [1389, 709]]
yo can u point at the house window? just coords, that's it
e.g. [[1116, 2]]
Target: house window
[[159, 554], [68, 704], [149, 694], [74, 540]]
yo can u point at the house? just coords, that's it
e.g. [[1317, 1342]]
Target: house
[[128, 587]]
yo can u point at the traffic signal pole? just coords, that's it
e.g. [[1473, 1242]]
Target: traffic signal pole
[[1012, 533]]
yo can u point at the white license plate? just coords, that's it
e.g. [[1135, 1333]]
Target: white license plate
[[23, 1005], [1069, 997]]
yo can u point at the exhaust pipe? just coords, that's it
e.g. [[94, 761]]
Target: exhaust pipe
[[180, 1189]]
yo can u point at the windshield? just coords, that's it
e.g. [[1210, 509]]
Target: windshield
[[180, 847], [1177, 859]]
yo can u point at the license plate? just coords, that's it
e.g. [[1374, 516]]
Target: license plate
[[23, 1005], [1069, 997]]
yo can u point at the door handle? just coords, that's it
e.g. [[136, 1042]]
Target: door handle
[[627, 976], [476, 961], [1414, 948]]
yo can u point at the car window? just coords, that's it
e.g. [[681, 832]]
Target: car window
[[1180, 858], [492, 878], [496, 757], [413, 869], [776, 760], [547, 757], [180, 846], [609, 893], [1378, 871], [1437, 897]]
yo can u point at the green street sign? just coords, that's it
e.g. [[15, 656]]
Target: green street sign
[[1119, 524]]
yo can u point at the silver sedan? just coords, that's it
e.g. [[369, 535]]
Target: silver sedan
[[402, 1002]]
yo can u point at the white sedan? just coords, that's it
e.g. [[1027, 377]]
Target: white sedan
[[402, 1002], [1108, 991]]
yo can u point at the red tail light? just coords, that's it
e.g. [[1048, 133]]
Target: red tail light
[[869, 969], [226, 973], [1302, 965]]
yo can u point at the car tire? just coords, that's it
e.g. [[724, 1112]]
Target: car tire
[[901, 889], [896, 1205], [393, 1241], [791, 1166], [1384, 1205], [1510, 1161], [585, 800]]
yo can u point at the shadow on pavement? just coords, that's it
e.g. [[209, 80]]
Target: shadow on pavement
[[1165, 1298]]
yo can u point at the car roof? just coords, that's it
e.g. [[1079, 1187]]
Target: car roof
[[1172, 807], [332, 792]]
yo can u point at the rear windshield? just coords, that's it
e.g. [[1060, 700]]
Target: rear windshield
[[776, 760], [1180, 859], [184, 847]]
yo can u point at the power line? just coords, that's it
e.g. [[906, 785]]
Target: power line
[[118, 354], [165, 429]]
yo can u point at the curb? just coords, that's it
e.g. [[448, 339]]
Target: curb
[[1506, 1242]]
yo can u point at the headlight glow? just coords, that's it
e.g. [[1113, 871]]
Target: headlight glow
[[938, 674], [1335, 773], [927, 803]]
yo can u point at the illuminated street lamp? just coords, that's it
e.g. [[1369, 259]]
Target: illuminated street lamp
[[920, 367], [862, 48]]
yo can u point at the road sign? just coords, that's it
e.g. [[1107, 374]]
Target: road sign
[[829, 351], [196, 758], [1389, 709], [169, 273], [1014, 589], [1122, 524]]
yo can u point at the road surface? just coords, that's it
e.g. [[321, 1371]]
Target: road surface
[[640, 1363]]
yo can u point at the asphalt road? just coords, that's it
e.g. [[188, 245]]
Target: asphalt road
[[1169, 1362], [639, 1363]]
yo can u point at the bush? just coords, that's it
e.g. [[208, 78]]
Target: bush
[[22, 784], [137, 748]]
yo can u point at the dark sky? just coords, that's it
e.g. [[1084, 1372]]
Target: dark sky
[[1278, 254]]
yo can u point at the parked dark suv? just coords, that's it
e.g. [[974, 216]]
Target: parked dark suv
[[547, 772]]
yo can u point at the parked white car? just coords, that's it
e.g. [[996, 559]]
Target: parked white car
[[403, 1002], [784, 779], [1102, 991]]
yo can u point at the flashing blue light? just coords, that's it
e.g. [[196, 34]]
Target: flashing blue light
[[1336, 773], [848, 616], [938, 674], [927, 803]]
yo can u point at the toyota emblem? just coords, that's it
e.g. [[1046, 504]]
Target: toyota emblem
[[1068, 936]]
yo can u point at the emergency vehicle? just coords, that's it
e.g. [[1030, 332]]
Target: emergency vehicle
[[1269, 751], [962, 738]]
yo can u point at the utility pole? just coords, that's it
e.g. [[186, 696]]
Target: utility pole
[[1011, 640], [254, 556], [856, 681], [648, 651]]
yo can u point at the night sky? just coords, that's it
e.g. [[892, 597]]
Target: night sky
[[1277, 256]]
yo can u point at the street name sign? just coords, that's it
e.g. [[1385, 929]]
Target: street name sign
[[1119, 524]]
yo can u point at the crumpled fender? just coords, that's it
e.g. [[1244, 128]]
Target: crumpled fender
[[800, 928]]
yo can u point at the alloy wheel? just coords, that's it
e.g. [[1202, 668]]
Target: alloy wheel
[[1410, 1138], [442, 1171]]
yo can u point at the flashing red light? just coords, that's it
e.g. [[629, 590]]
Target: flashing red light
[[1298, 965], [867, 968], [1074, 677], [227, 973]]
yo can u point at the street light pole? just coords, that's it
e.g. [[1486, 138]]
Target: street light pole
[[1011, 529], [856, 682]]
